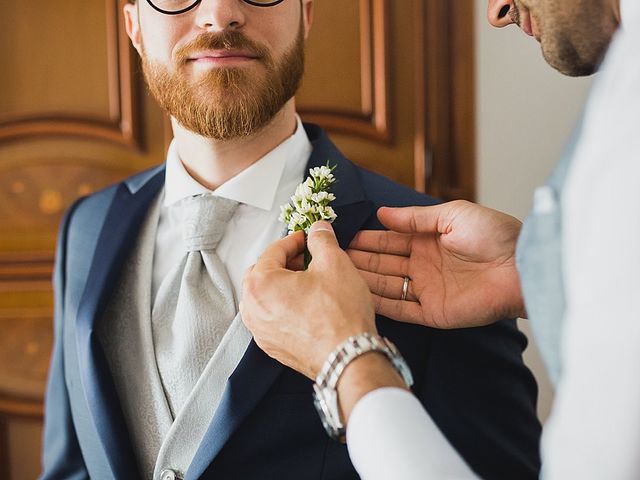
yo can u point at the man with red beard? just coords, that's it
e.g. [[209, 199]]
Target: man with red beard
[[154, 374]]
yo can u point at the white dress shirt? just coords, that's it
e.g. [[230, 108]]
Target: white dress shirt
[[594, 428], [260, 189]]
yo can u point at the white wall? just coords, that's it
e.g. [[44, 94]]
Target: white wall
[[525, 113]]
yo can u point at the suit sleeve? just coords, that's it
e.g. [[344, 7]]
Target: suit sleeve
[[483, 398], [61, 455]]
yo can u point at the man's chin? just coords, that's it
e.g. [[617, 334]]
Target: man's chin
[[573, 66]]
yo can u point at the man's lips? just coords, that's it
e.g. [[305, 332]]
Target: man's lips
[[222, 56]]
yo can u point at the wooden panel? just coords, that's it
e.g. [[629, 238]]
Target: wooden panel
[[37, 83], [4, 448], [445, 154], [348, 49], [22, 435], [393, 83], [54, 84], [26, 336]]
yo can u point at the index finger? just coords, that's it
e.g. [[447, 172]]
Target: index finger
[[281, 251], [380, 241]]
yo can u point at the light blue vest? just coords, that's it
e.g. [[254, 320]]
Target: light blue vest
[[539, 263]]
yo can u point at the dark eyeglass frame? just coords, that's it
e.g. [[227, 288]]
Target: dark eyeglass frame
[[197, 2]]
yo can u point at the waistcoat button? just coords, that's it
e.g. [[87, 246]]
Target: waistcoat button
[[167, 474]]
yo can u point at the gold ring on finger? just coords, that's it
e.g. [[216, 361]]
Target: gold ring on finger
[[405, 288]]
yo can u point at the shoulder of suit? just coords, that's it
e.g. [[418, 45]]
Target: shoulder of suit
[[92, 208], [381, 190], [386, 192]]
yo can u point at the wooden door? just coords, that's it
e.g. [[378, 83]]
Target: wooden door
[[391, 80]]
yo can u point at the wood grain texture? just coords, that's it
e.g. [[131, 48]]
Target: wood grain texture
[[362, 73], [445, 141], [35, 106]]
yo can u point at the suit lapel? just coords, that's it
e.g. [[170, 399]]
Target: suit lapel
[[257, 372], [119, 232]]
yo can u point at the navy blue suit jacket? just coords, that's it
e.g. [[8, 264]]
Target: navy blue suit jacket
[[473, 382]]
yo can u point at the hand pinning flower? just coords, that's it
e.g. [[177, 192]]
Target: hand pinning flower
[[310, 203]]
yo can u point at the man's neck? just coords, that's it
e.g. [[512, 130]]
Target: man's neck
[[212, 162]]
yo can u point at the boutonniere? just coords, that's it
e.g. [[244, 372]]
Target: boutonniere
[[310, 203]]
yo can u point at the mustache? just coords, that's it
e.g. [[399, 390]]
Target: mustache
[[226, 40]]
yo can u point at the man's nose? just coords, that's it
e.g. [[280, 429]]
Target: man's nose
[[498, 12], [219, 15]]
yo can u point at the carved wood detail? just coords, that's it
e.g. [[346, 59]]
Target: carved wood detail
[[123, 123], [373, 122], [32, 267]]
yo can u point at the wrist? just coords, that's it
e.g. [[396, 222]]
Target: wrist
[[329, 345], [365, 374], [326, 398]]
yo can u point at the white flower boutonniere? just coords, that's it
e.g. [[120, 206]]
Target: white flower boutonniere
[[310, 203]]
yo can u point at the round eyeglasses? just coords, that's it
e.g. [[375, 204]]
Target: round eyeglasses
[[176, 7]]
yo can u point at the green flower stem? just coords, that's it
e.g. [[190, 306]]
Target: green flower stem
[[307, 254]]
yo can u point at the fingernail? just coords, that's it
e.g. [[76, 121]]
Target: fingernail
[[321, 226]]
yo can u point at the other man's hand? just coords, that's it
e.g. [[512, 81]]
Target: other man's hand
[[459, 256], [298, 318]]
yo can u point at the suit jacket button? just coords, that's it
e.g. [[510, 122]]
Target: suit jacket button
[[167, 474]]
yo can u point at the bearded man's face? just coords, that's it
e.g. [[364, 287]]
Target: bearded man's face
[[574, 34], [223, 73]]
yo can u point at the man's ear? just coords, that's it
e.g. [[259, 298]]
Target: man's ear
[[132, 25], [307, 16]]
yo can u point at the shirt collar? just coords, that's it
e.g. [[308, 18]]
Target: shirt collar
[[257, 185]]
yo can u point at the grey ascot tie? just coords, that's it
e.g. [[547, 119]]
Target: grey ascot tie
[[195, 303]]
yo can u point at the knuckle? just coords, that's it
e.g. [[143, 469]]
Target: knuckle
[[377, 301], [398, 308], [405, 265], [373, 262], [250, 283], [382, 285], [413, 221], [383, 242]]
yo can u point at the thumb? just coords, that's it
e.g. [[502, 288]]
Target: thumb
[[414, 219], [322, 240]]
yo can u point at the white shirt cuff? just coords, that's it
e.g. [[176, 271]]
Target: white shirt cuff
[[390, 435]]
